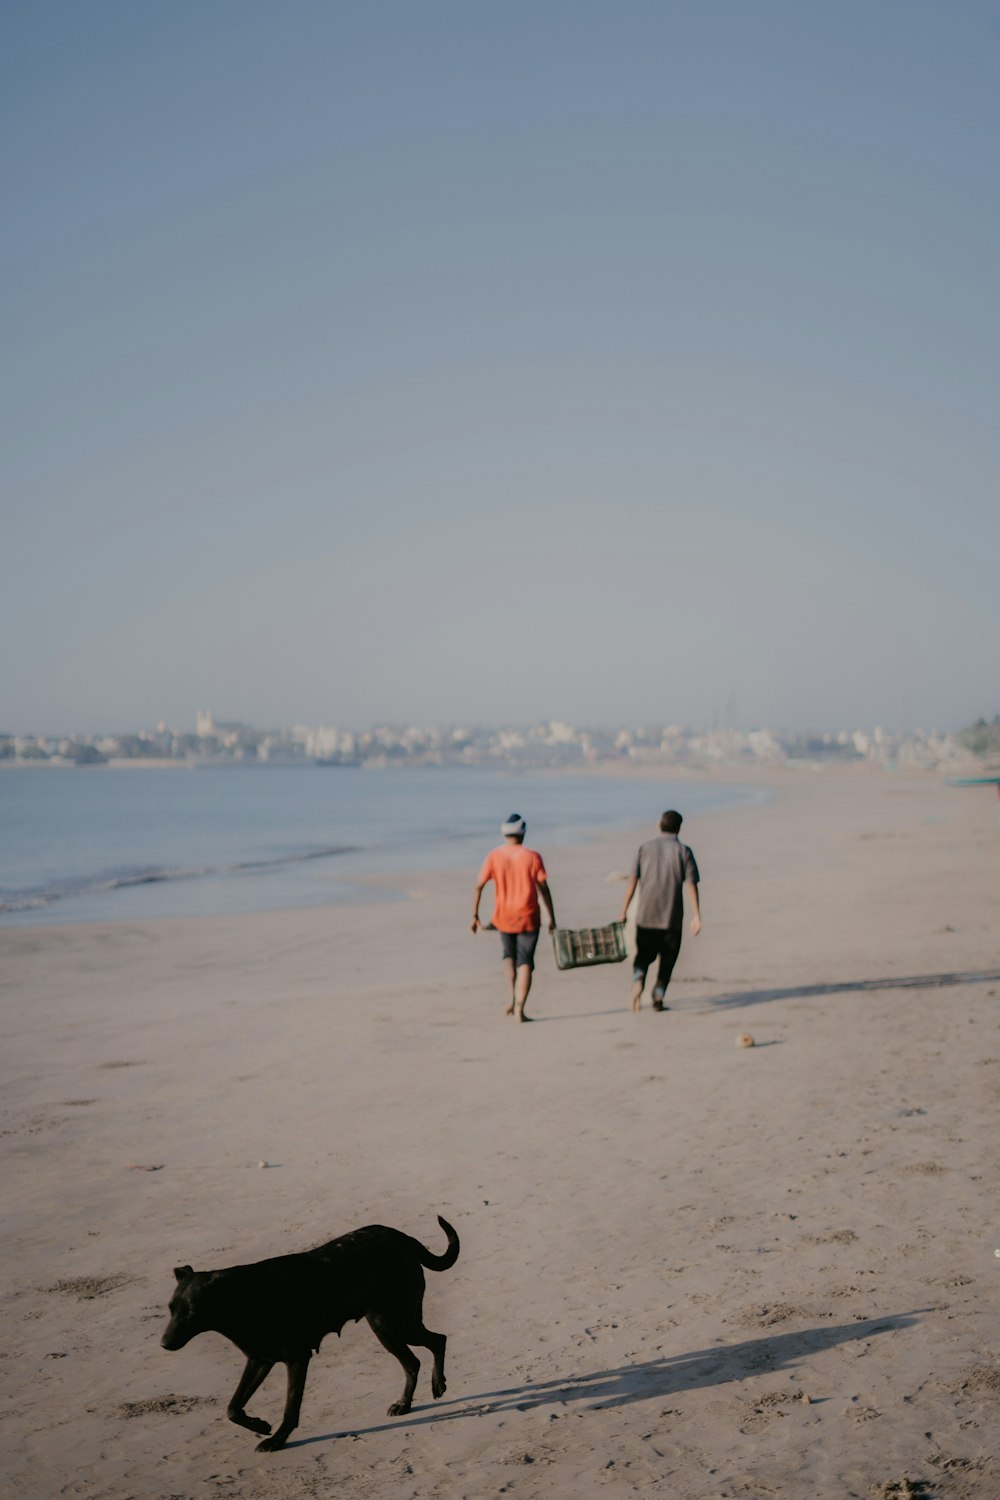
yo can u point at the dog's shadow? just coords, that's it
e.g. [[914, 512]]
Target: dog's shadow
[[652, 1379]]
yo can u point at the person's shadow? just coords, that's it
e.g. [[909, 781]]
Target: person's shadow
[[736, 999], [739, 998], [653, 1379]]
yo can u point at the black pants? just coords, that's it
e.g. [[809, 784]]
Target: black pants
[[656, 943]]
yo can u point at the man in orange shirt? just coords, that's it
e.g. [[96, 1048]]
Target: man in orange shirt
[[519, 878]]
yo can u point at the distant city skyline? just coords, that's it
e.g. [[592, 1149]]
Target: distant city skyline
[[553, 745], [198, 726], [620, 363]]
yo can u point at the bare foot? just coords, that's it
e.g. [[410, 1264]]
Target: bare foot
[[522, 1017], [636, 996], [510, 1009]]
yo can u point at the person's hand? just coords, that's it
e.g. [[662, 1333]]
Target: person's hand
[[695, 925], [475, 925], [552, 925]]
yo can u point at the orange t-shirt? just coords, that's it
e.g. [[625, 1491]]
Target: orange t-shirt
[[514, 871]]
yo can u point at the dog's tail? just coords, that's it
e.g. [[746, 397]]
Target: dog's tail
[[441, 1262]]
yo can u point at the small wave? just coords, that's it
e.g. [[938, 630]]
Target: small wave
[[142, 877], [298, 858], [25, 903], [15, 901]]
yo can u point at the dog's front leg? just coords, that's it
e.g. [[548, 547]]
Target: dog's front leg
[[254, 1374], [297, 1369]]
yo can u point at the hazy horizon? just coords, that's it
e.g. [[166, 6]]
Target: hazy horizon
[[614, 364], [722, 722]]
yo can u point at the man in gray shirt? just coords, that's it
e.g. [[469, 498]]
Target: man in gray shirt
[[664, 868]]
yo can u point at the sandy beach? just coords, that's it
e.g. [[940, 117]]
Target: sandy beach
[[688, 1269]]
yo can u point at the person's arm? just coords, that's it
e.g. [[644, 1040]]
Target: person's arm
[[546, 895], [475, 924], [692, 890], [486, 874], [630, 892]]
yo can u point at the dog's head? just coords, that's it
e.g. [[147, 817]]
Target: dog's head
[[190, 1307]]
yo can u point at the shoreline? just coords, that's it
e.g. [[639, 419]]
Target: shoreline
[[43, 909], [394, 883]]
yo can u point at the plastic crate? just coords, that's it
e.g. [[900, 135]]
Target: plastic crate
[[576, 948]]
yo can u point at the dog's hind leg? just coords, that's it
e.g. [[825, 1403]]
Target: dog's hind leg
[[254, 1375], [390, 1339], [297, 1369], [435, 1342]]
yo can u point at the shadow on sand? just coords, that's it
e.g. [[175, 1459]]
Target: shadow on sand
[[654, 1379], [736, 999], [850, 987]]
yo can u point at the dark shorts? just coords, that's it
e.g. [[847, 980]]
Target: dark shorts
[[520, 946]]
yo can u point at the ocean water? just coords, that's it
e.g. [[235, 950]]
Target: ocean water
[[92, 845]]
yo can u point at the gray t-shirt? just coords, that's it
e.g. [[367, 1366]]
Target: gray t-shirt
[[663, 865]]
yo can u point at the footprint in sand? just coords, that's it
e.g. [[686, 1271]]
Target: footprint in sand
[[770, 1314], [175, 1405], [835, 1237], [764, 1408], [86, 1288]]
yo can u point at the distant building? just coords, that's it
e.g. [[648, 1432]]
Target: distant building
[[229, 731]]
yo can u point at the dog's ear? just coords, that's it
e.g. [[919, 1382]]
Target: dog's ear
[[183, 1272]]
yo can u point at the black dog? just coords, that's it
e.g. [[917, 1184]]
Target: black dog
[[277, 1311]]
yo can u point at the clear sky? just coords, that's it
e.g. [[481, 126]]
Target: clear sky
[[487, 362]]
